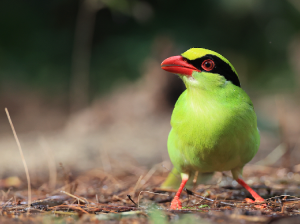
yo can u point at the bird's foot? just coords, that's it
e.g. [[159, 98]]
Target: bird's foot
[[176, 203], [253, 193], [260, 199], [249, 200]]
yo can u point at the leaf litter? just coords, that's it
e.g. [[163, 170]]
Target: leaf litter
[[95, 196]]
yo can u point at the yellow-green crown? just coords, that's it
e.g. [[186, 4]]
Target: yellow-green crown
[[194, 53]]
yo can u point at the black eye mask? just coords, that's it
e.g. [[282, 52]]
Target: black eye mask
[[221, 67]]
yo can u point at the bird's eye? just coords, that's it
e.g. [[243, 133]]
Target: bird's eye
[[208, 65]]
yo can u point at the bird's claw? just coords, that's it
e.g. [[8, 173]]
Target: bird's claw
[[248, 200], [176, 203]]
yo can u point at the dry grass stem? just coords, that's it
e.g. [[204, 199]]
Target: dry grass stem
[[7, 202], [51, 163], [149, 175], [137, 185], [286, 158], [273, 156], [5, 194], [73, 196], [150, 192], [116, 197], [23, 159]]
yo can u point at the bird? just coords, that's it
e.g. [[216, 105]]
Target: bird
[[213, 124]]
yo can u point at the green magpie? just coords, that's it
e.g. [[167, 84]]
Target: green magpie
[[214, 125]]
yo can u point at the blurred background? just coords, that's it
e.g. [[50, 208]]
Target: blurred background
[[83, 84]]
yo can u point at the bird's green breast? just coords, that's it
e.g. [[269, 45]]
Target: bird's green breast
[[213, 130]]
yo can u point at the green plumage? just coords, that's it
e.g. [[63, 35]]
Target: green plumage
[[213, 123]]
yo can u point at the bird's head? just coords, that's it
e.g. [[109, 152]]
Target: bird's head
[[202, 68]]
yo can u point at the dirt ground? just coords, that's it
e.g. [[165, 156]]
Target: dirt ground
[[134, 196]]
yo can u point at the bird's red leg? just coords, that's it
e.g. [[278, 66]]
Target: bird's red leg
[[251, 191], [176, 203]]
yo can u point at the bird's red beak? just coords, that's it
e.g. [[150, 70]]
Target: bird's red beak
[[178, 65]]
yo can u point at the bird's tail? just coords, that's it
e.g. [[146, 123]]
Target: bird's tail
[[173, 180]]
